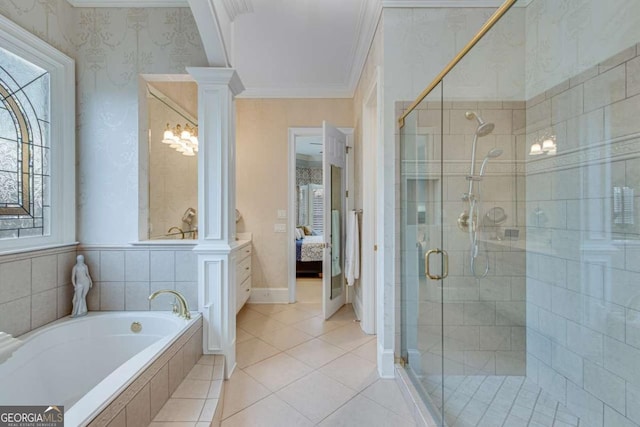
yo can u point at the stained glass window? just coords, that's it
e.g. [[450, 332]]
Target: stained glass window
[[25, 206]]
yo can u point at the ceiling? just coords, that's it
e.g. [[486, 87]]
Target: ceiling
[[309, 146], [302, 48]]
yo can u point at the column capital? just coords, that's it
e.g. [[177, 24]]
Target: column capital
[[217, 76]]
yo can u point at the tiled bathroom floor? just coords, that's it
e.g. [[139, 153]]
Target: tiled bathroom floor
[[494, 401], [309, 289], [295, 369]]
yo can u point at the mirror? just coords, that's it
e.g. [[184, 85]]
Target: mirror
[[172, 111], [337, 263]]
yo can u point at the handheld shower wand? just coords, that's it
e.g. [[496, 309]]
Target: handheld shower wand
[[483, 129], [494, 153], [474, 210]]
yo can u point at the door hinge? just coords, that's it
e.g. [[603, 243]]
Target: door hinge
[[347, 194], [375, 247], [401, 361]]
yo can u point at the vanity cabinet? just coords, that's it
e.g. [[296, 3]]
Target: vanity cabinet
[[243, 275]]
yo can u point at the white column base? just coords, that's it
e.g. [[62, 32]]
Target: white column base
[[216, 302]]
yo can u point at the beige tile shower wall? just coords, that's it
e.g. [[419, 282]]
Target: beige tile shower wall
[[418, 43], [484, 319], [124, 277], [261, 187], [35, 288], [583, 292], [564, 38]]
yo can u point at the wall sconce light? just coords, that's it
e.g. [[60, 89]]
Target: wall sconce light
[[544, 145], [183, 139]]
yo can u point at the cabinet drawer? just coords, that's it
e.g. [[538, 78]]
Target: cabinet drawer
[[243, 292], [243, 270], [244, 252]]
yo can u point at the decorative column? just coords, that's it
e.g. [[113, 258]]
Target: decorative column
[[217, 88]]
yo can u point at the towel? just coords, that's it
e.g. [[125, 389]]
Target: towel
[[335, 243], [352, 250]]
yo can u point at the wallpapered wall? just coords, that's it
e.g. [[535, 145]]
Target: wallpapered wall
[[111, 46]]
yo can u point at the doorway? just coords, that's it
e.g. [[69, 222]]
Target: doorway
[[309, 218], [311, 214]]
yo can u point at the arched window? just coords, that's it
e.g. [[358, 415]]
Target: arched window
[[37, 142]]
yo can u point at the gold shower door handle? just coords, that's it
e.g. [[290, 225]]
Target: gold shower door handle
[[445, 266]]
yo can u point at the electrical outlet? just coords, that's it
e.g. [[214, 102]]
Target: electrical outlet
[[282, 214], [280, 228]]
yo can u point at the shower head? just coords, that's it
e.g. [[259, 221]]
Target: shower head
[[492, 154], [484, 128]]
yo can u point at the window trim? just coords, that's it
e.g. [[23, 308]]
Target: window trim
[[62, 135]]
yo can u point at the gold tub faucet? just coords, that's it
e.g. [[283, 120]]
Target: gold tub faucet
[[183, 307]]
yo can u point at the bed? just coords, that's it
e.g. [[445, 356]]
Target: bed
[[309, 252]]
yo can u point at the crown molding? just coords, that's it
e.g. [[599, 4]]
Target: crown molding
[[235, 8], [303, 92], [128, 3], [370, 13], [448, 3]]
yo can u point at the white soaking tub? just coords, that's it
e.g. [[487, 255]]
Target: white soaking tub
[[87, 362]]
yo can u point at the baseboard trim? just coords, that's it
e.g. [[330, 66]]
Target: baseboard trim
[[386, 365], [357, 306], [421, 414], [269, 296]]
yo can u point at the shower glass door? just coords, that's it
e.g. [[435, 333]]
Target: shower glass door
[[422, 241]]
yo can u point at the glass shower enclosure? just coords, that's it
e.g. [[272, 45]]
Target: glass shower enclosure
[[519, 226]]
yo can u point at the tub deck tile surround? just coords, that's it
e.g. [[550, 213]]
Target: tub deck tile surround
[[143, 398], [35, 288], [197, 401]]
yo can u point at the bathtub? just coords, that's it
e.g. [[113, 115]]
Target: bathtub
[[86, 363]]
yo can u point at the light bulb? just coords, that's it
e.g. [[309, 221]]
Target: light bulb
[[535, 150], [548, 144], [168, 135]]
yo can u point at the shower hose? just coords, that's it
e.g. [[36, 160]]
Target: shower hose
[[474, 250]]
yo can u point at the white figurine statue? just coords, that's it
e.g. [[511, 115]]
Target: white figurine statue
[[81, 283]]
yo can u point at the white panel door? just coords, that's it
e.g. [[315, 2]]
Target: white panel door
[[334, 161]]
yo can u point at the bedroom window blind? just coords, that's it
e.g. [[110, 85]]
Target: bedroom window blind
[[316, 208]]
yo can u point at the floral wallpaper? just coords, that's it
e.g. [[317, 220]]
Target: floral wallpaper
[[112, 47], [51, 20]]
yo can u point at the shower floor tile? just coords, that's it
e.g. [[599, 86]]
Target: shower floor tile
[[495, 401]]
